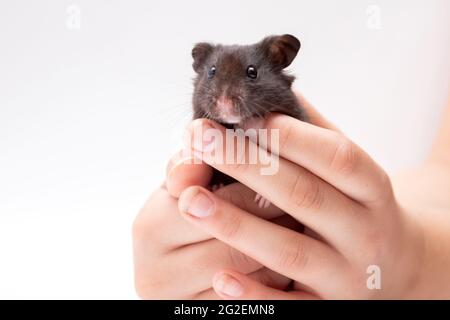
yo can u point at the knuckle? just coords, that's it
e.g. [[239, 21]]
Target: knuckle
[[144, 227], [385, 181], [345, 156], [386, 192], [140, 226], [292, 255], [306, 193], [152, 217]]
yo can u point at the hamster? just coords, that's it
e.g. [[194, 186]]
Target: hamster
[[235, 83]]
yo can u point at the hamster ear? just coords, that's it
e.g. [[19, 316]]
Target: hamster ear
[[200, 53], [281, 50]]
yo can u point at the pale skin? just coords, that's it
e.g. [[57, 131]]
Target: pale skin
[[191, 243]]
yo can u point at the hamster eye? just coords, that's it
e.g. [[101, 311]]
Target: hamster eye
[[211, 72], [252, 72]]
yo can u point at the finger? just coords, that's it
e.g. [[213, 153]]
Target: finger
[[208, 294], [285, 251], [201, 261], [179, 241], [314, 116], [264, 276], [184, 171], [205, 259], [231, 285], [158, 222], [288, 186], [270, 278], [173, 231], [330, 156], [245, 198]]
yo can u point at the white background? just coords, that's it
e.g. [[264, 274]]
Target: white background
[[89, 116]]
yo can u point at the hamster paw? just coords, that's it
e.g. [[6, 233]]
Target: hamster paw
[[262, 202], [216, 186]]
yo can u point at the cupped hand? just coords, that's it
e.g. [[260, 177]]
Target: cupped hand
[[359, 243], [175, 260]]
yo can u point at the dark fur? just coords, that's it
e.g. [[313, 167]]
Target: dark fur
[[269, 92]]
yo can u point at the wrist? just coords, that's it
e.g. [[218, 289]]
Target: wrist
[[428, 247]]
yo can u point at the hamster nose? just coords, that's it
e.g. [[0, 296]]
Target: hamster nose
[[225, 104], [227, 110]]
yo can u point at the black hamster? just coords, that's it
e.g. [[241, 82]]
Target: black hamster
[[237, 82]]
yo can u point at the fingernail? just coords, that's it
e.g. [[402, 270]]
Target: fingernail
[[200, 205], [175, 162], [228, 285]]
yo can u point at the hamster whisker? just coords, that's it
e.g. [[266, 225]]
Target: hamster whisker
[[207, 89], [258, 108]]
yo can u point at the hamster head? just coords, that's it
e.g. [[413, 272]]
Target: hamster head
[[237, 82]]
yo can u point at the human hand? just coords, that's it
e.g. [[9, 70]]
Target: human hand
[[173, 259], [338, 192]]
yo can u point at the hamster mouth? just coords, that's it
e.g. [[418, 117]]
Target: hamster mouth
[[229, 124], [253, 122], [231, 119], [227, 111], [232, 115]]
